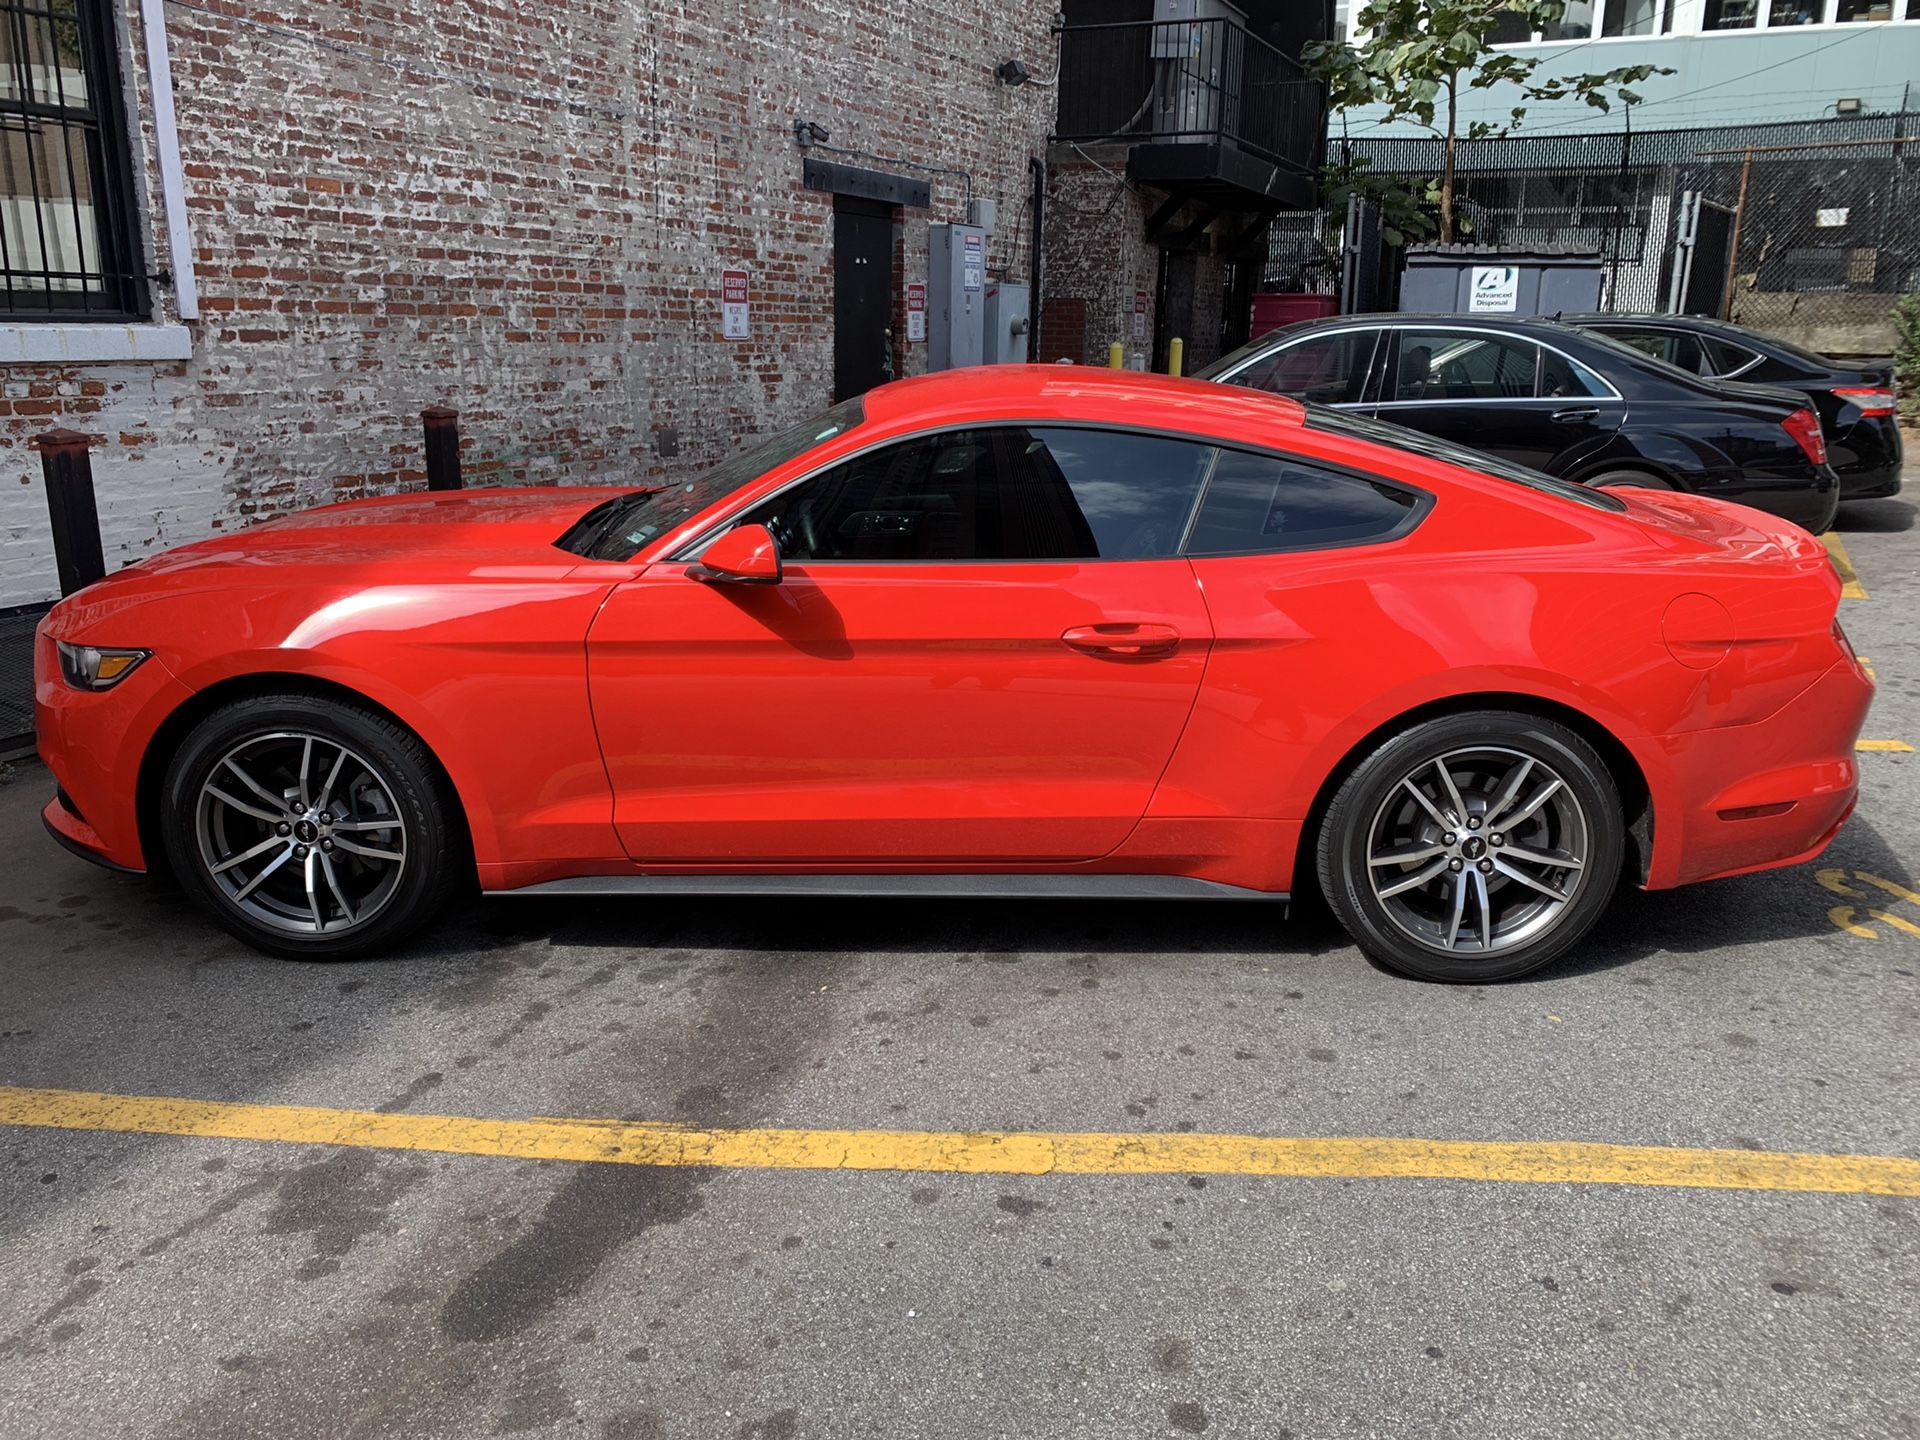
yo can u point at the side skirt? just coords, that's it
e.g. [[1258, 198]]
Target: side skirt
[[1037, 887]]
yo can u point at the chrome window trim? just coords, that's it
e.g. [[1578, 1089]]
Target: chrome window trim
[[1398, 327], [1618, 331]]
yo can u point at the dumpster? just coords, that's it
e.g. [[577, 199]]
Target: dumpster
[[1484, 280], [1271, 311]]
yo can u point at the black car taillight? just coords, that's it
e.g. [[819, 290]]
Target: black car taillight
[[1871, 400], [1804, 426]]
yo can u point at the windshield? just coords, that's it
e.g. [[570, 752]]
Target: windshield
[[622, 526], [1343, 422]]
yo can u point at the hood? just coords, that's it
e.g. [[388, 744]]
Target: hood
[[471, 529]]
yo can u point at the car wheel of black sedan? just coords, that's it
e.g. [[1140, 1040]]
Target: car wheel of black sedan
[[1473, 847], [310, 828]]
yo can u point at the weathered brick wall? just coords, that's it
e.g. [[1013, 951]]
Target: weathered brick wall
[[1096, 256], [519, 209]]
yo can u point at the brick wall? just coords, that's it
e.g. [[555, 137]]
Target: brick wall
[[519, 209], [1096, 257]]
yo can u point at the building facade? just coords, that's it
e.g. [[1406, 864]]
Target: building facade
[[536, 214]]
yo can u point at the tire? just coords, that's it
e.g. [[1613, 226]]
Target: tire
[[1627, 480], [1506, 898], [344, 810]]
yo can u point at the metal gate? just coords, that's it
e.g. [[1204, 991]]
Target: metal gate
[[1703, 261]]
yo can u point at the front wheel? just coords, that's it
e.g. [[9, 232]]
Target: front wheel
[[1473, 847], [309, 827]]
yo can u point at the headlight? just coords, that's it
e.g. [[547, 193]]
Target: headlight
[[97, 667]]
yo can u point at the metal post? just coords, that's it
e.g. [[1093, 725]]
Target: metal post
[[1176, 355], [442, 423], [1116, 356], [1733, 250], [71, 508]]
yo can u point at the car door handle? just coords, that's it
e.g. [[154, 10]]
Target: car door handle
[[1570, 417], [1127, 641]]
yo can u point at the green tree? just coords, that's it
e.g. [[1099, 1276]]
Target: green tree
[[1419, 56], [1906, 355]]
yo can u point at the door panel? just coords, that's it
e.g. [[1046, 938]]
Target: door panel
[[862, 296], [874, 713]]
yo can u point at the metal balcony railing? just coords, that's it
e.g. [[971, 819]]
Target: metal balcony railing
[[1172, 81]]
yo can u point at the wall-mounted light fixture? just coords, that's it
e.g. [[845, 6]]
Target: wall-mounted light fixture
[[1848, 106], [1011, 72], [807, 134]]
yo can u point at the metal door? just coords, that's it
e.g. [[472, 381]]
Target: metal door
[[862, 295]]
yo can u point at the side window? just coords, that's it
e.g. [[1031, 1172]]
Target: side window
[[1463, 365], [1726, 358], [1560, 376], [1328, 369], [1052, 493], [1262, 503], [1676, 347]]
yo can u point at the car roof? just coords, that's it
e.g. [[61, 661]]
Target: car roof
[[1077, 392]]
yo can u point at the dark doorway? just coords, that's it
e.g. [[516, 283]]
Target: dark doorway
[[862, 295]]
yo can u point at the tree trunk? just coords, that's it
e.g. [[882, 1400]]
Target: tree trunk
[[1446, 173]]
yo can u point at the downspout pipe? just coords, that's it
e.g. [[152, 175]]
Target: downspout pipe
[[1038, 169], [166, 142]]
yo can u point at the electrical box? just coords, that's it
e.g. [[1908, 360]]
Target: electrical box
[[984, 213], [956, 295], [1008, 318]]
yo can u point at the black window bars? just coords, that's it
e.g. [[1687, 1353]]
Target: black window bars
[[67, 241]]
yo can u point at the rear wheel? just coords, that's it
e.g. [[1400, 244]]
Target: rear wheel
[[309, 827], [1473, 847]]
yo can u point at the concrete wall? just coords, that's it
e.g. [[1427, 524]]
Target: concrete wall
[[522, 210]]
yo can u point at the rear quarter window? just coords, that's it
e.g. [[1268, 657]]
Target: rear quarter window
[[1258, 503]]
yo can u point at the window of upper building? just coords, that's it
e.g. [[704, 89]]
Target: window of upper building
[[67, 247]]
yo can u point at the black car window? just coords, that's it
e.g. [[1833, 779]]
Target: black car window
[[1724, 357], [1561, 376], [1463, 365], [1327, 369], [1676, 347], [1260, 503], [622, 526], [1002, 493], [1399, 437]]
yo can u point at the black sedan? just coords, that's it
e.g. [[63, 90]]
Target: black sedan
[[1855, 401], [1576, 405]]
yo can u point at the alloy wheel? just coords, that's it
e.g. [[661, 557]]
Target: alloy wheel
[[1478, 851], [301, 833]]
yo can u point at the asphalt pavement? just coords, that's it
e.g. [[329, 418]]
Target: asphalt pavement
[[182, 1285]]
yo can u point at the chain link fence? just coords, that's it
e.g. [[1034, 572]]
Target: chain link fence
[[1809, 229]]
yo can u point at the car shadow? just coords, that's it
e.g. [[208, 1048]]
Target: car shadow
[[1876, 517]]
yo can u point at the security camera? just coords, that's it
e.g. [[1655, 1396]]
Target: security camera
[[1011, 72]]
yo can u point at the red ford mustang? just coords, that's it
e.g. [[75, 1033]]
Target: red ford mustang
[[1015, 631]]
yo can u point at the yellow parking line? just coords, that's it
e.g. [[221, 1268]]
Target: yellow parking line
[[972, 1152], [1897, 747], [1850, 586]]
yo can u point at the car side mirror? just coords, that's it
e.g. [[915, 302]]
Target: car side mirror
[[746, 555]]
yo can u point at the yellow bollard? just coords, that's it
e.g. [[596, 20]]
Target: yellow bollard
[[1176, 353], [1116, 356]]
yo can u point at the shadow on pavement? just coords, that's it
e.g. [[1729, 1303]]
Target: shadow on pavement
[[1876, 517]]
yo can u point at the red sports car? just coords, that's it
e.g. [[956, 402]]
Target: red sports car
[[1015, 631]]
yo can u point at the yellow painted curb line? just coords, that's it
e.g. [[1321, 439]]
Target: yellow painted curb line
[[1895, 747], [972, 1152], [1850, 586]]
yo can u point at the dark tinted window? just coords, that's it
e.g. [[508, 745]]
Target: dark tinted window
[[1051, 493], [1560, 376], [1345, 422], [620, 527], [1676, 347], [1262, 502], [1329, 369], [1725, 357], [1463, 365]]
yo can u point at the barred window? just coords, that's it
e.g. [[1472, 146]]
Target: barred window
[[66, 248]]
